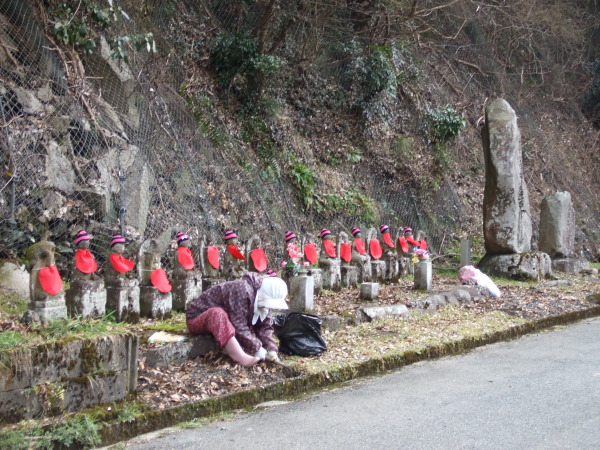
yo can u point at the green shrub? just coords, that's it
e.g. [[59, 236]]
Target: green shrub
[[444, 124], [305, 180]]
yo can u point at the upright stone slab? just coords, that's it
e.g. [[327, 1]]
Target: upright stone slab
[[423, 275], [156, 300], [465, 252], [506, 214], [301, 293], [557, 225]]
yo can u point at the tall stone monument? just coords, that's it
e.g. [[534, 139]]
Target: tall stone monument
[[557, 233], [507, 227], [156, 299]]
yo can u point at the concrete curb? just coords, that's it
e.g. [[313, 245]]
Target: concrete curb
[[112, 433]]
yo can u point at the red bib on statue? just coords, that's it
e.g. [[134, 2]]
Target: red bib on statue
[[403, 244], [185, 258], [310, 253], [212, 254], [121, 264], [159, 280], [329, 248], [423, 244], [388, 240], [235, 252], [346, 252], [375, 248], [50, 280], [360, 246], [411, 241], [84, 261], [259, 259]]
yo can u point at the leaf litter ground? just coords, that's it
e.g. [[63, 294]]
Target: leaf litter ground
[[214, 374]]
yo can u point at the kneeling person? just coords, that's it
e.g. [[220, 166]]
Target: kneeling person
[[236, 313]]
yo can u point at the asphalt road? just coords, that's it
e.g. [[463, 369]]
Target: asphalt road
[[541, 391]]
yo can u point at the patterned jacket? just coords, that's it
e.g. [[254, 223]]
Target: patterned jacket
[[237, 298]]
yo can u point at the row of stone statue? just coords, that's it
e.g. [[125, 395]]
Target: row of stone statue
[[150, 292]]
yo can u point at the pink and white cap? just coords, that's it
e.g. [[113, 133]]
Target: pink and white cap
[[81, 236]]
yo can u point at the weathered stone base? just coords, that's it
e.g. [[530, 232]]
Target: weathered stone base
[[392, 270], [349, 276], [369, 291], [378, 271], [124, 301], [208, 282], [301, 293], [178, 352], [318, 280], [423, 275], [365, 273], [184, 291], [570, 265], [86, 298], [52, 307], [332, 277], [405, 266], [155, 304], [67, 376], [518, 266]]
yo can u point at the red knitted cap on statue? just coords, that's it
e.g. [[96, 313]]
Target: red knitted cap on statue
[[182, 237], [289, 235], [117, 239], [229, 235], [81, 236], [407, 229], [384, 229], [355, 231], [324, 232]]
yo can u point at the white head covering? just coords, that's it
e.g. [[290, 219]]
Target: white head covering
[[270, 295]]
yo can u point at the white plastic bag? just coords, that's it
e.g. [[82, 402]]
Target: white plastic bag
[[469, 274]]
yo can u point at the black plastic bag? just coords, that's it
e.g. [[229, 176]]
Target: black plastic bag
[[299, 334]]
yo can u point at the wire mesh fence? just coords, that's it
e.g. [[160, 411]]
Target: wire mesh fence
[[91, 142]]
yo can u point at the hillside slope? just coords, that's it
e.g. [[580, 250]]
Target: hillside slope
[[265, 116]]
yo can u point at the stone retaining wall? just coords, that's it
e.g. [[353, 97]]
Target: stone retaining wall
[[66, 376]]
